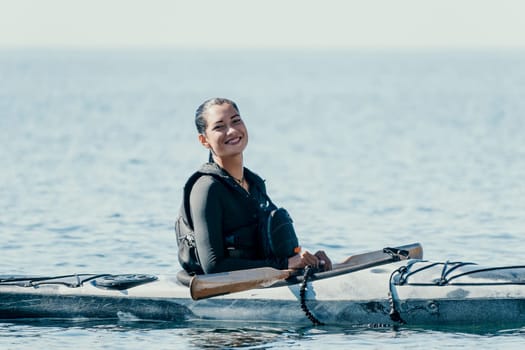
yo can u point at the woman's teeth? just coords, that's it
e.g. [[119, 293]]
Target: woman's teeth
[[233, 141]]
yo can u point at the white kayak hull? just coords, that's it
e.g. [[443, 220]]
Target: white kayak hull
[[354, 298]]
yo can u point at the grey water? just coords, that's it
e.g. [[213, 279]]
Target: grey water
[[366, 149]]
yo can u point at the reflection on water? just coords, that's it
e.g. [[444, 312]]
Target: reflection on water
[[199, 335]]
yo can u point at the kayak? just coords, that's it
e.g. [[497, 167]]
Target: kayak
[[385, 287]]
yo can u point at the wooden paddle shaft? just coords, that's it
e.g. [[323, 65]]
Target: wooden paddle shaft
[[235, 281], [205, 286]]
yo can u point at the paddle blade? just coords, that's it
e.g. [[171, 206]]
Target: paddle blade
[[415, 251], [205, 286]]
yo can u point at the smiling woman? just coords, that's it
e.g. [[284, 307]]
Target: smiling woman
[[226, 214], [226, 136]]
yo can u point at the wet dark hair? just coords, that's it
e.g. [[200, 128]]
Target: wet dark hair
[[200, 113]]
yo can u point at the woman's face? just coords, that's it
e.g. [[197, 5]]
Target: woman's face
[[226, 133]]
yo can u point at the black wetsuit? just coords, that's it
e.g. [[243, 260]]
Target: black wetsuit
[[226, 221]]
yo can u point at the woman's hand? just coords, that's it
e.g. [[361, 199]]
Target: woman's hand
[[318, 260], [325, 263]]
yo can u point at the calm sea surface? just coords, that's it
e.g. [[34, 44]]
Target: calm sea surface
[[365, 149]]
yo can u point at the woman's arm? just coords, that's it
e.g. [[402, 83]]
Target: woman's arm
[[207, 214]]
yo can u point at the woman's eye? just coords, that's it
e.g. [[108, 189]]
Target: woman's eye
[[218, 127]]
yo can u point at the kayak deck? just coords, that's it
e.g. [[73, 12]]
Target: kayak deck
[[419, 292]]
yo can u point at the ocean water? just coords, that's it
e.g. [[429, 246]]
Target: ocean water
[[366, 149]]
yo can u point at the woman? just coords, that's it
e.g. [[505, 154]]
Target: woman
[[219, 228]]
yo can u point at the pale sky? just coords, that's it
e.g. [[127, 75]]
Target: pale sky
[[262, 23]]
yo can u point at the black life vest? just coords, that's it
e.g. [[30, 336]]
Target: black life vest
[[275, 226]]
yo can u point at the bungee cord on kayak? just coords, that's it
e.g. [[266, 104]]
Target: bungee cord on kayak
[[308, 272], [413, 275], [106, 281]]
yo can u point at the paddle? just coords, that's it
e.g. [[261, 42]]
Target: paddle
[[206, 286]]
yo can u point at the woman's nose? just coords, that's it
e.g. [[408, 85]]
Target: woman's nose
[[231, 129]]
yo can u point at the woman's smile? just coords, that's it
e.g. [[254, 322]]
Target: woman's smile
[[234, 141]]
